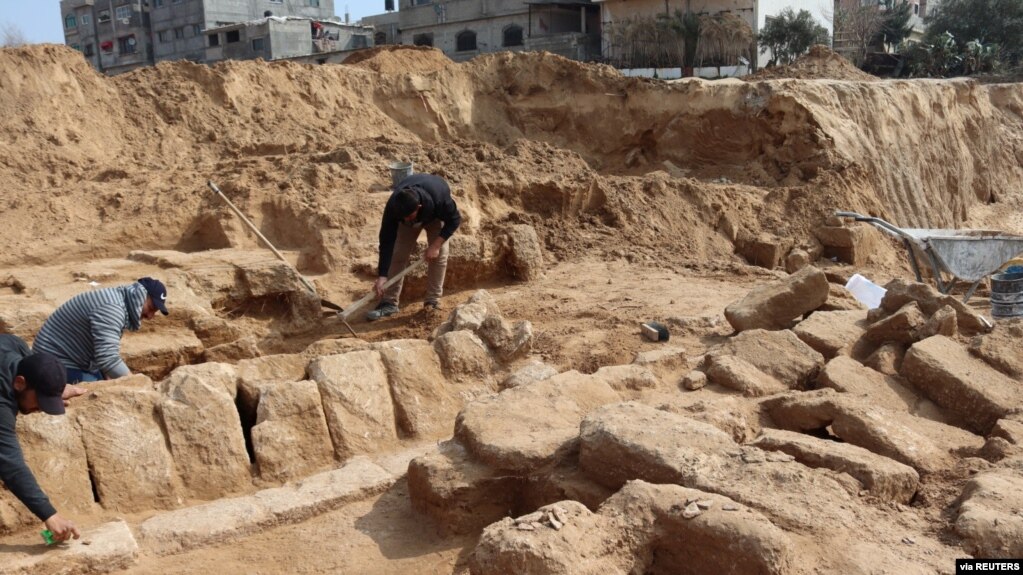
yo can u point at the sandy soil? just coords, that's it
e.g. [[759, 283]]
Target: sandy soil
[[640, 194]]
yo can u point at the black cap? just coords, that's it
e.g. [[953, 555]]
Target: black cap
[[403, 202], [44, 373], [157, 292]]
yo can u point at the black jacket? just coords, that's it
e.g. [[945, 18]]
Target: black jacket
[[13, 471], [437, 204]]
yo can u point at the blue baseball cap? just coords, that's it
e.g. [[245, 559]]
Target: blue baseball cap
[[157, 292]]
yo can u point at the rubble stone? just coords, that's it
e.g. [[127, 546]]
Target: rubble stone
[[667, 363], [1001, 348], [887, 358], [536, 371], [942, 322], [796, 260], [900, 292], [103, 549], [738, 374], [509, 342], [460, 494], [987, 520], [840, 299], [523, 428], [852, 245], [831, 332], [776, 305], [881, 476], [524, 252], [694, 380], [976, 394], [902, 326], [779, 354], [464, 356]]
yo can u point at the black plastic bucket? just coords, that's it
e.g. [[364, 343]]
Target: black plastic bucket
[[1007, 295]]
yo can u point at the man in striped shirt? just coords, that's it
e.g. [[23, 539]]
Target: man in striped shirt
[[85, 332]]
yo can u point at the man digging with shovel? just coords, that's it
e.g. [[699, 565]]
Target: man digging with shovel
[[420, 201]]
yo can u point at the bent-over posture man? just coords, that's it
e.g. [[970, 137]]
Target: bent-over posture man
[[419, 202], [29, 382], [85, 332]]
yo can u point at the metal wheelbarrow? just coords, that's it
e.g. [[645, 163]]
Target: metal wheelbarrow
[[968, 255]]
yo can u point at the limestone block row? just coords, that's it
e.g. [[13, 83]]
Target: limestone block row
[[226, 519]]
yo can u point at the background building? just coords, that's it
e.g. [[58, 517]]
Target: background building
[[463, 29], [119, 35]]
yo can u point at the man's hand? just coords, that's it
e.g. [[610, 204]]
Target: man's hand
[[433, 252], [72, 391], [378, 286], [61, 528]]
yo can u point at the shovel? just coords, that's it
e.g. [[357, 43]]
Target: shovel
[[348, 311], [308, 285]]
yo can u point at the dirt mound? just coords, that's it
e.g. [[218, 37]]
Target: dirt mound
[[400, 59], [820, 63]]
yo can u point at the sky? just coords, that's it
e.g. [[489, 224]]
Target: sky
[[39, 21]]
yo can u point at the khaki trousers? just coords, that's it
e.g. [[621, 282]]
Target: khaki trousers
[[435, 270]]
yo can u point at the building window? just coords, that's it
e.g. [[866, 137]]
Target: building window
[[465, 41], [76, 47], [126, 44], [257, 44], [380, 38], [107, 46], [512, 36], [422, 40], [69, 21], [104, 16], [214, 39], [84, 19], [315, 3], [162, 36], [176, 1], [233, 36], [157, 3], [277, 1], [179, 33], [196, 30], [90, 50], [122, 12]]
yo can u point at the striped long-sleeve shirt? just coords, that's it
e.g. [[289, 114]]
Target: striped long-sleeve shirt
[[85, 332]]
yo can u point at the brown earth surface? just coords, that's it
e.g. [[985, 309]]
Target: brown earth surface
[[644, 197]]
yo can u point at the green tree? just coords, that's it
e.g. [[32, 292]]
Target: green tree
[[790, 35], [895, 26], [987, 22]]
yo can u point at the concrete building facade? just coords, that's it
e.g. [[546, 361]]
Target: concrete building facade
[[463, 29], [275, 37], [112, 35], [119, 35]]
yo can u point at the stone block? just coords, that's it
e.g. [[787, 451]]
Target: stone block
[[524, 428], [900, 292], [903, 326], [667, 363], [776, 305], [523, 251], [882, 477], [738, 374], [291, 438], [205, 433], [464, 356], [356, 402], [764, 250], [535, 371], [988, 518], [780, 354], [359, 479], [974, 393], [852, 245], [832, 333], [157, 354], [424, 402], [132, 467], [459, 494], [103, 549]]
